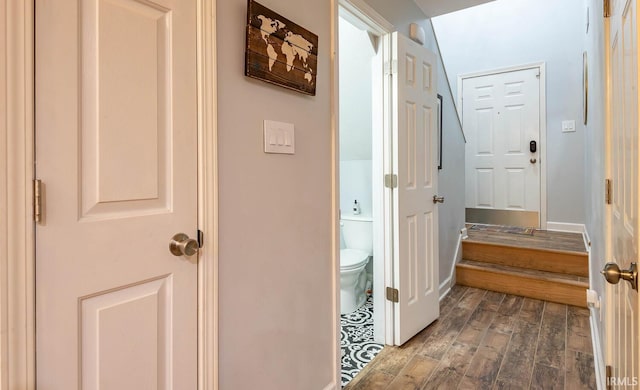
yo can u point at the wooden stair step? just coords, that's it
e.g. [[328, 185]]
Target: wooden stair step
[[544, 259], [544, 285]]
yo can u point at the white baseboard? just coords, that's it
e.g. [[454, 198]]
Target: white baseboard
[[587, 242], [566, 227], [331, 386], [598, 357], [445, 286]]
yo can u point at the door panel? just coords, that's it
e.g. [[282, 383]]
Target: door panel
[[501, 115], [622, 310], [415, 217], [116, 141]]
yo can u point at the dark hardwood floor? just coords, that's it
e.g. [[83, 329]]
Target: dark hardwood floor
[[490, 340], [541, 239]]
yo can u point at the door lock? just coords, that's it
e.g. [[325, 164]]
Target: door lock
[[613, 274], [438, 199]]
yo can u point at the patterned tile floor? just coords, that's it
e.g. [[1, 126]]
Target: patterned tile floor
[[356, 341]]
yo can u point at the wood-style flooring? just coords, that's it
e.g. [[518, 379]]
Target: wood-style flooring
[[490, 340], [541, 239]]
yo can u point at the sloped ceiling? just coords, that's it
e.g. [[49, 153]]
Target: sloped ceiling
[[433, 8]]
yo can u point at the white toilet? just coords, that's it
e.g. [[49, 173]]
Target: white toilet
[[357, 234]]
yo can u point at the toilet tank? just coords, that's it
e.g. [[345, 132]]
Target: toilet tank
[[357, 232]]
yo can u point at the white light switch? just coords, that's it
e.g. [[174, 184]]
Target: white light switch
[[279, 137], [568, 126]]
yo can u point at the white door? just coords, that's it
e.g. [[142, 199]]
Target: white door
[[622, 326], [415, 215], [501, 117], [116, 147]]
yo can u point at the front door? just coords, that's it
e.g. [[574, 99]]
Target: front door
[[116, 139], [622, 325], [501, 117], [415, 215]]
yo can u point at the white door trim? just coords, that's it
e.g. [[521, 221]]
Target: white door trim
[[17, 272], [541, 66], [335, 199], [208, 308], [17, 306]]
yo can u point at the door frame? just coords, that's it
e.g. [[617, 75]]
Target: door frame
[[362, 15], [17, 262], [541, 66]]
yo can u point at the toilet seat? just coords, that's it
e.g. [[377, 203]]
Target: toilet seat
[[352, 259]]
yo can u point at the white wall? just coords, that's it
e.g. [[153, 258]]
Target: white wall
[[401, 13], [356, 54], [513, 32], [595, 148], [355, 183], [355, 67], [275, 221]]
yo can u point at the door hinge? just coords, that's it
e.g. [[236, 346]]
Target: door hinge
[[607, 8], [608, 374], [390, 67], [37, 200], [607, 191], [391, 181], [392, 294]]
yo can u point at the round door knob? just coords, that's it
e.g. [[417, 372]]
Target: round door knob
[[533, 160], [182, 245], [438, 199], [613, 274]]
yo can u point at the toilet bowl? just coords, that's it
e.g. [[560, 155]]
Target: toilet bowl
[[353, 279], [357, 235]]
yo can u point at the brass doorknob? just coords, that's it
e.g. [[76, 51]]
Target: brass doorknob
[[182, 245], [438, 199], [613, 274]]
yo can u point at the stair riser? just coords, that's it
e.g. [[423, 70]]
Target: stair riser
[[551, 261], [553, 291]]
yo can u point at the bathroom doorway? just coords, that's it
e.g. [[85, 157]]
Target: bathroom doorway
[[363, 47]]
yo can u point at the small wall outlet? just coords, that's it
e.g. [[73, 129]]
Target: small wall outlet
[[568, 126]]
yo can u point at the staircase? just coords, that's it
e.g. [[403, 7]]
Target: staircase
[[551, 266]]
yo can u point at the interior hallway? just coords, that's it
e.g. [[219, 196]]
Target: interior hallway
[[486, 340]]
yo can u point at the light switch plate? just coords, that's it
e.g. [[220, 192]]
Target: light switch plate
[[279, 137], [568, 126]]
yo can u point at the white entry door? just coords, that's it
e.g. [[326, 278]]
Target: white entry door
[[116, 139], [415, 215], [622, 325], [501, 117]]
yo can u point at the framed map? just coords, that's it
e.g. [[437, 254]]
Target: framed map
[[279, 51]]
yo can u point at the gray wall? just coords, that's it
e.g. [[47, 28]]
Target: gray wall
[[401, 13], [595, 148], [514, 32], [276, 315]]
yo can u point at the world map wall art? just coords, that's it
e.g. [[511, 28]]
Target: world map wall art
[[279, 51]]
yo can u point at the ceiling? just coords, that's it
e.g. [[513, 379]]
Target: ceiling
[[440, 7]]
